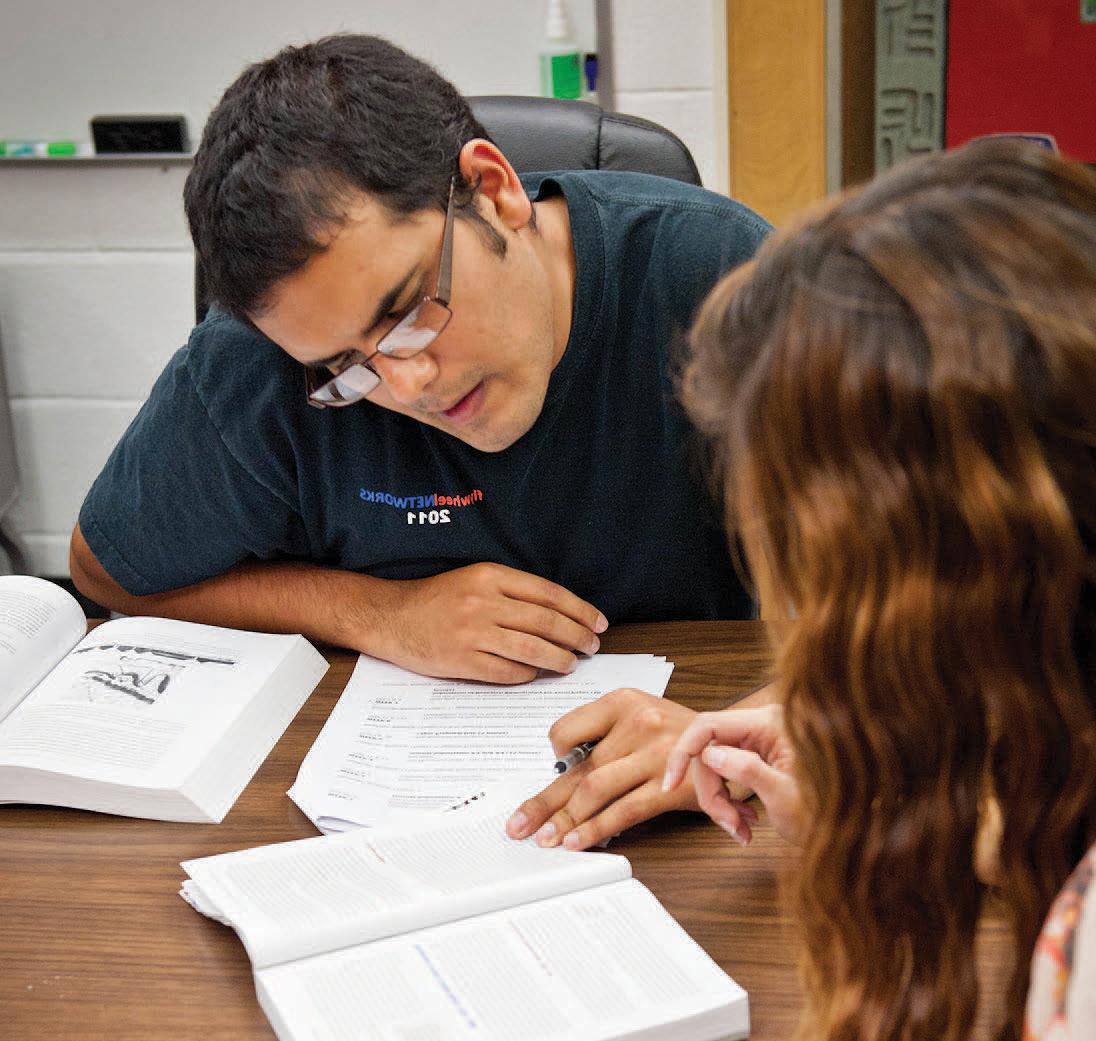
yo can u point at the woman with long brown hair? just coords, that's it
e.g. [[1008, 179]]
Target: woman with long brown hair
[[900, 393]]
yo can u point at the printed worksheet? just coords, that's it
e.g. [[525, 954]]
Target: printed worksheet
[[399, 745]]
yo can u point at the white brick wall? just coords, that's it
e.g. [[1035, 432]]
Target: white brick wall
[[92, 324], [96, 292], [95, 261], [62, 444], [663, 69]]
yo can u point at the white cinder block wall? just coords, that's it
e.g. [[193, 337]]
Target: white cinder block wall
[[96, 266], [96, 293], [663, 57]]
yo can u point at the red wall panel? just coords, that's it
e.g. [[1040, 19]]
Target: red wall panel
[[1022, 65]]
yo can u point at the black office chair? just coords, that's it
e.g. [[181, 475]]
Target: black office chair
[[552, 134]]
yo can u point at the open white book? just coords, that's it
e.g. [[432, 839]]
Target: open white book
[[457, 932], [143, 717]]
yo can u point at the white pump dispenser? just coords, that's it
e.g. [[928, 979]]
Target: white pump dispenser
[[560, 61]]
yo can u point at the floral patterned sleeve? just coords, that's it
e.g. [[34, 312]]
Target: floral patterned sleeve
[[1061, 1003]]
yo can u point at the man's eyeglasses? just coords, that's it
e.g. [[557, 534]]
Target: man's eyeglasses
[[413, 333]]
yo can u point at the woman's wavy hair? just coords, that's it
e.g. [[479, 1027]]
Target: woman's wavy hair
[[900, 394]]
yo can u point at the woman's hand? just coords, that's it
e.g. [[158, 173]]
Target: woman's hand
[[749, 748]]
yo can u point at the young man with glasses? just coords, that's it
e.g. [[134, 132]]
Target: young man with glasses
[[432, 417]]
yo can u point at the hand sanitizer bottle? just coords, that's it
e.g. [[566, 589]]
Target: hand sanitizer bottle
[[560, 61]]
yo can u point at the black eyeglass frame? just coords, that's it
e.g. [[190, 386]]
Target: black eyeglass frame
[[421, 325]]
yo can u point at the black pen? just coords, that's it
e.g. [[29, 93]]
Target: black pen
[[577, 755]]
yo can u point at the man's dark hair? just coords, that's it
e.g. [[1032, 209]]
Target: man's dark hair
[[298, 137]]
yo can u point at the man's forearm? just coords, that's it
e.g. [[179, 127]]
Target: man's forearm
[[475, 622], [327, 605]]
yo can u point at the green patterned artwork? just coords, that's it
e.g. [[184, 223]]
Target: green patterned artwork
[[910, 44]]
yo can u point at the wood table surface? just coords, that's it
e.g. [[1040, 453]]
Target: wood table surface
[[96, 943]]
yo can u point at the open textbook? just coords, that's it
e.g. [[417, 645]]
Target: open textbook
[[457, 932], [398, 744], [143, 717]]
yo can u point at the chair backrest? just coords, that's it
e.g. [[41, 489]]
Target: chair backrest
[[553, 134]]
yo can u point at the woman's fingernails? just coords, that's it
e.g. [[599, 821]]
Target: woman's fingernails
[[546, 835], [715, 757], [517, 824], [733, 831], [601, 624], [667, 781], [572, 840]]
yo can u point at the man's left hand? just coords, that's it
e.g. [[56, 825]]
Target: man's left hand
[[620, 783]]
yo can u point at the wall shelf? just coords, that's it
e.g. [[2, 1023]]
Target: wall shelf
[[119, 159]]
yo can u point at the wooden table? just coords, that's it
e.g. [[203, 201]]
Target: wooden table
[[95, 943]]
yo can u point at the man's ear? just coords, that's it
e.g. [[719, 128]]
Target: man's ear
[[482, 164]]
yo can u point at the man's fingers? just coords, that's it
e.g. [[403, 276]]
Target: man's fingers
[[446, 624], [534, 590], [493, 668], [548, 625], [479, 667], [530, 650]]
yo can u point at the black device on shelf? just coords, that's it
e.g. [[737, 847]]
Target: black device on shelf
[[113, 135]]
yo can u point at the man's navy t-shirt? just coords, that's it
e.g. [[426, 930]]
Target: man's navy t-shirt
[[604, 495]]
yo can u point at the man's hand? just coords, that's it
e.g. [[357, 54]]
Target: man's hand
[[486, 622], [619, 784], [747, 747], [483, 622]]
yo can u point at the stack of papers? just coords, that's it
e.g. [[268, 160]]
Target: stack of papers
[[399, 748]]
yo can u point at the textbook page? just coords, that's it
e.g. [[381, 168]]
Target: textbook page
[[39, 624], [601, 964], [139, 701], [295, 899], [398, 743]]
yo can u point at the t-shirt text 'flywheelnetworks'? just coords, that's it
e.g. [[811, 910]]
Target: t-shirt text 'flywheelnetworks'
[[420, 502]]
